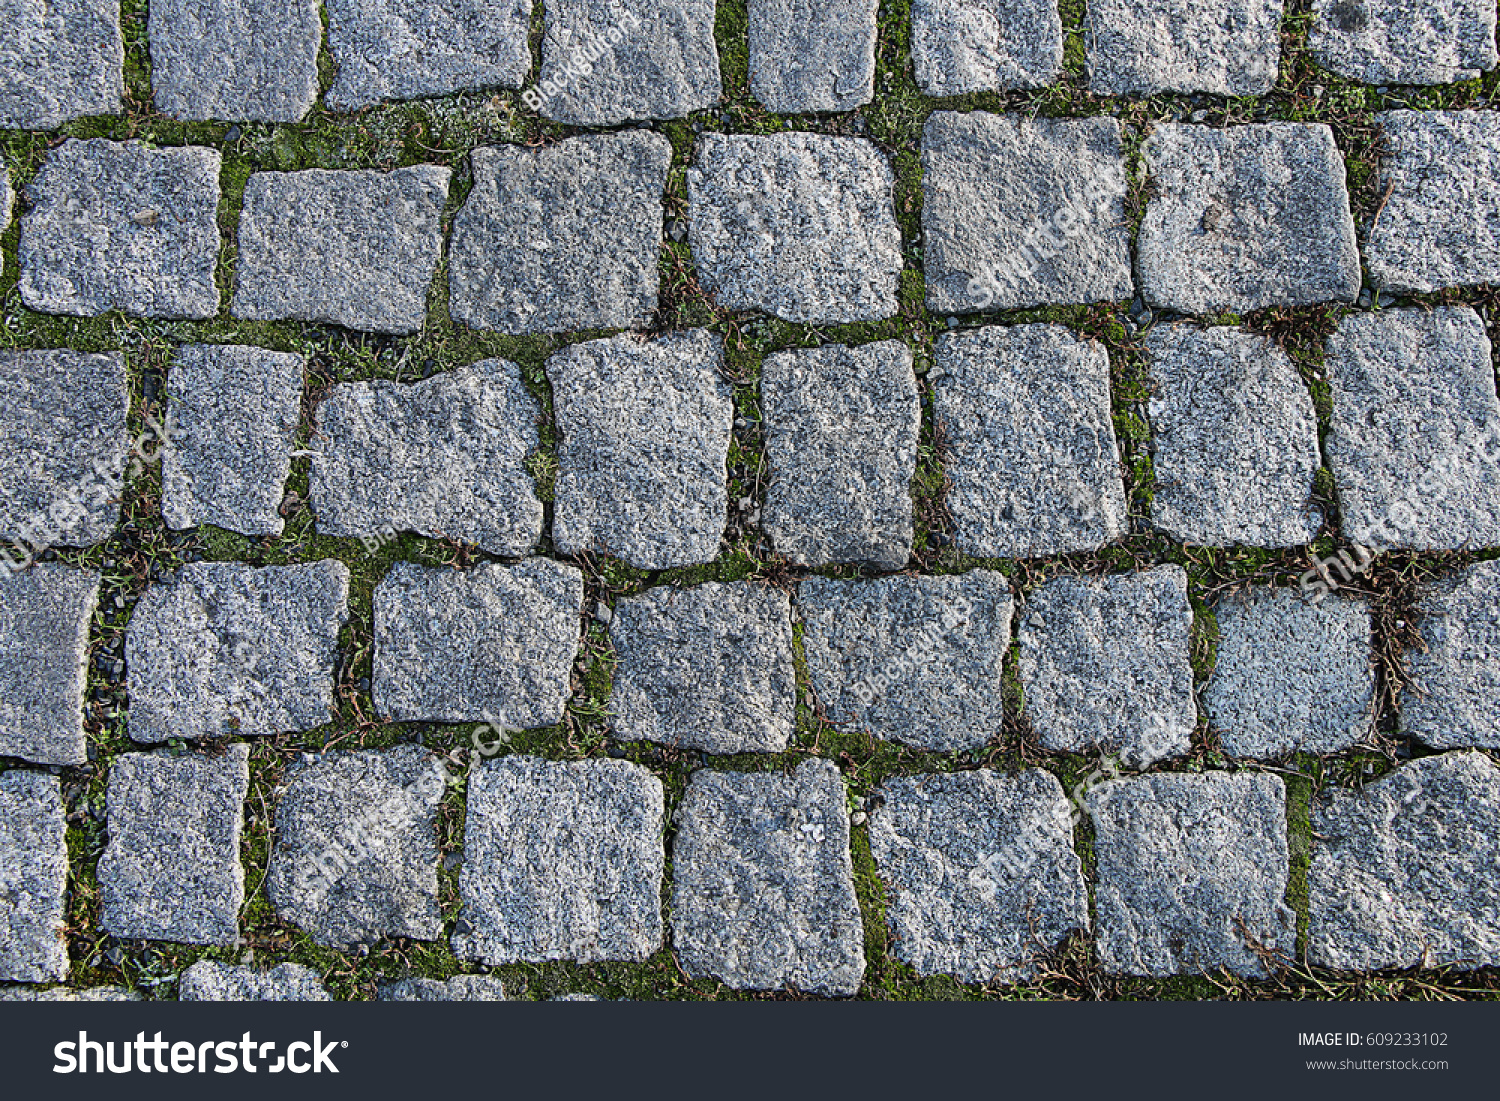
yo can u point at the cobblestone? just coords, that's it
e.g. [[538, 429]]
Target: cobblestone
[[1454, 697], [460, 988], [207, 981], [806, 57], [62, 60], [1404, 42], [33, 879], [1142, 47], [45, 614], [963, 46]]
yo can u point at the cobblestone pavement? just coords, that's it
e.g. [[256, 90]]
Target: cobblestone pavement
[[952, 498]]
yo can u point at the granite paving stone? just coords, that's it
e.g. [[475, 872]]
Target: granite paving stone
[[62, 60], [1404, 41], [460, 988], [207, 981], [33, 878], [1142, 47], [963, 46], [45, 613], [63, 994], [1453, 699], [807, 57]]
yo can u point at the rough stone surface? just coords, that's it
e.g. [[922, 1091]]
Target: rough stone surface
[[7, 199], [842, 426], [224, 648], [1415, 442], [808, 57], [356, 249], [1023, 212], [911, 659], [255, 60], [1245, 218], [356, 855], [171, 870], [1293, 675], [62, 60], [1403, 872], [235, 414], [1404, 41], [1192, 874], [562, 861], [1440, 226], [797, 225], [962, 46], [122, 226], [33, 878], [495, 643], [562, 238], [981, 877], [1236, 440], [708, 668], [1105, 665], [1454, 697], [1141, 47], [1032, 461], [386, 49], [44, 653], [460, 988], [63, 994], [642, 468], [445, 457], [207, 981]]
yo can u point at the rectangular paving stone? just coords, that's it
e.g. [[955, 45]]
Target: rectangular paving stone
[[123, 226], [1142, 47], [963, 46], [254, 60], [1032, 461], [171, 870], [763, 887], [1401, 42], [1403, 871], [63, 994], [63, 429], [445, 457], [225, 649], [355, 856], [235, 414], [1236, 440], [45, 614], [562, 238], [1453, 700], [389, 50], [1023, 212], [1105, 665], [812, 57], [1293, 675], [1415, 440], [842, 426], [356, 249], [981, 877], [562, 861], [495, 643], [207, 981], [800, 226], [460, 988], [62, 60], [33, 878], [642, 467], [708, 668], [911, 659]]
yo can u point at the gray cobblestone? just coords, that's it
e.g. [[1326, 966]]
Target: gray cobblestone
[[460, 988], [1142, 47], [963, 46], [45, 614], [806, 57], [62, 60], [1454, 697], [33, 879], [207, 981], [1404, 41]]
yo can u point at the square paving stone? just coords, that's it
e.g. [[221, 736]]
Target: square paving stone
[[1105, 665], [1032, 462], [62, 60], [495, 643], [207, 981], [171, 870], [445, 458], [708, 668], [1415, 442], [1293, 675], [123, 226], [841, 426], [1404, 42], [63, 430], [254, 60], [812, 57], [801, 226], [1404, 872], [643, 463], [33, 878], [1192, 874], [1453, 700], [45, 614], [563, 238], [918, 660], [390, 50], [562, 861], [224, 648], [460, 988], [1142, 47], [235, 414], [981, 877], [1245, 218], [356, 249], [763, 885], [604, 64], [962, 46], [1023, 212], [356, 855], [1440, 226], [1236, 440]]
